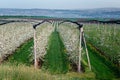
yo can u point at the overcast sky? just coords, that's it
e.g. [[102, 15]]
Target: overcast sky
[[60, 4]]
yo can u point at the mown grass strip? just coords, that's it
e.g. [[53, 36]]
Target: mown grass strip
[[22, 54], [56, 60], [101, 70]]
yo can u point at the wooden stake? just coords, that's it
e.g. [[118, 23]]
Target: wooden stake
[[80, 50], [87, 52], [35, 57]]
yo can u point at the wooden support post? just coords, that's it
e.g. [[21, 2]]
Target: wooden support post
[[80, 50], [87, 52], [35, 57]]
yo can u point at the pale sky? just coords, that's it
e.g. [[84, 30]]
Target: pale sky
[[60, 4]]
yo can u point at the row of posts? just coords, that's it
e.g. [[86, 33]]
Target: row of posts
[[81, 37]]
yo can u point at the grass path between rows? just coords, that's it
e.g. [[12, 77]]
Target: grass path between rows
[[22, 55], [56, 60], [101, 70], [23, 72]]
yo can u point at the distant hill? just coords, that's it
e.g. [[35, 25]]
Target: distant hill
[[88, 13]]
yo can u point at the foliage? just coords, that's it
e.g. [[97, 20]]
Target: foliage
[[12, 35], [105, 37], [23, 54], [43, 32], [70, 36]]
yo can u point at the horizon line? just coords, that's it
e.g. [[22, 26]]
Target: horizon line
[[66, 9]]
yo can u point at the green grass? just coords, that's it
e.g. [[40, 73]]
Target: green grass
[[106, 38], [23, 72], [56, 60], [22, 54], [99, 65]]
